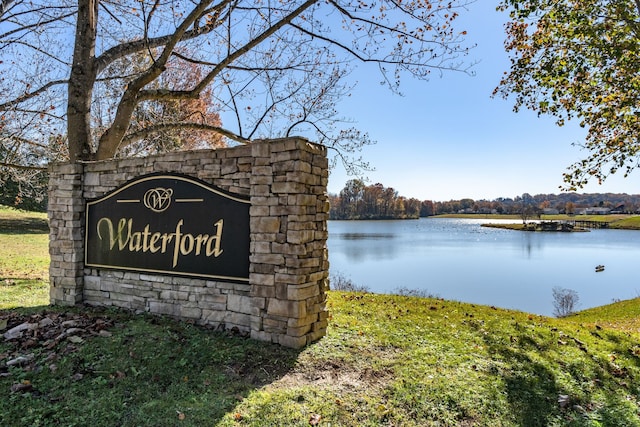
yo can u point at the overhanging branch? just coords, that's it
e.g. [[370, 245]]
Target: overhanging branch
[[125, 49], [33, 94], [143, 133], [23, 167]]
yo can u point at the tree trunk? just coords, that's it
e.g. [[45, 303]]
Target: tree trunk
[[81, 80], [4, 6]]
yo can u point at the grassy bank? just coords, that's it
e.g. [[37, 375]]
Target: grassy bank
[[629, 223], [615, 221], [24, 258], [386, 361]]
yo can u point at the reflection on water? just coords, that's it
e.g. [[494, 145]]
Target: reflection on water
[[364, 236], [458, 259]]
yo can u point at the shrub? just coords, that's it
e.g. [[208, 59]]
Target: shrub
[[340, 282], [408, 292], [564, 301]]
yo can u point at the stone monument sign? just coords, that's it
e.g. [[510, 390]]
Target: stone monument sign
[[234, 237]]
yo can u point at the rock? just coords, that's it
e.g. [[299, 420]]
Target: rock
[[20, 360], [74, 331], [17, 331], [70, 323], [45, 322]]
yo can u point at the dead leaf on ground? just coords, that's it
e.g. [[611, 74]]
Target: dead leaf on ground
[[22, 387], [75, 339], [46, 331], [314, 420]]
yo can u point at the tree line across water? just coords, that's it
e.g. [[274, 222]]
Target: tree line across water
[[360, 201]]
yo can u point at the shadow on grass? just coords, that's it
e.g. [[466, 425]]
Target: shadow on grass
[[530, 387], [24, 225], [143, 371], [531, 391], [539, 397]]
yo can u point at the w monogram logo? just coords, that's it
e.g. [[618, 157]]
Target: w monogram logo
[[158, 199]]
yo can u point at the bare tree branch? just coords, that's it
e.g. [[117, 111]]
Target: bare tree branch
[[139, 70], [111, 139], [24, 167], [21, 140], [125, 49], [35, 25], [30, 95], [143, 133], [5, 5]]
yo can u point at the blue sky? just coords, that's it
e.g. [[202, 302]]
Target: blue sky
[[448, 139]]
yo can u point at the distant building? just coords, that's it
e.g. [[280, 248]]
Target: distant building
[[619, 209], [550, 211], [595, 211]]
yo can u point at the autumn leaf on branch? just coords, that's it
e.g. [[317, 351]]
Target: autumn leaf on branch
[[579, 61]]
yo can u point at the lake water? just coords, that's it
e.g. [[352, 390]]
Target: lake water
[[458, 259]]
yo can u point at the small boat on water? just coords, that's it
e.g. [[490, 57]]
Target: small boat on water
[[599, 268]]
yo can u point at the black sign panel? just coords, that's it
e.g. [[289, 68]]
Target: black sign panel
[[170, 224]]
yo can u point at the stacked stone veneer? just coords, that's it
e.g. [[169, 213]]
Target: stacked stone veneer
[[284, 301]]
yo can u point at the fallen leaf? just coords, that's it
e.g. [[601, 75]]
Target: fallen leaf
[[29, 343], [70, 323], [75, 339], [21, 387], [74, 331], [563, 400], [237, 416], [314, 420]]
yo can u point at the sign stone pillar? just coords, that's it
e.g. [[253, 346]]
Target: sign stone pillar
[[66, 234], [289, 261]]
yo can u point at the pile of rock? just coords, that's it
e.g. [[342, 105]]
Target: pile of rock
[[35, 342]]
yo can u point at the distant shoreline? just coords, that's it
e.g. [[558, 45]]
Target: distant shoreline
[[534, 227], [613, 221]]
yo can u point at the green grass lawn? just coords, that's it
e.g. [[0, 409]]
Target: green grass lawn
[[629, 223], [387, 360], [24, 258]]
